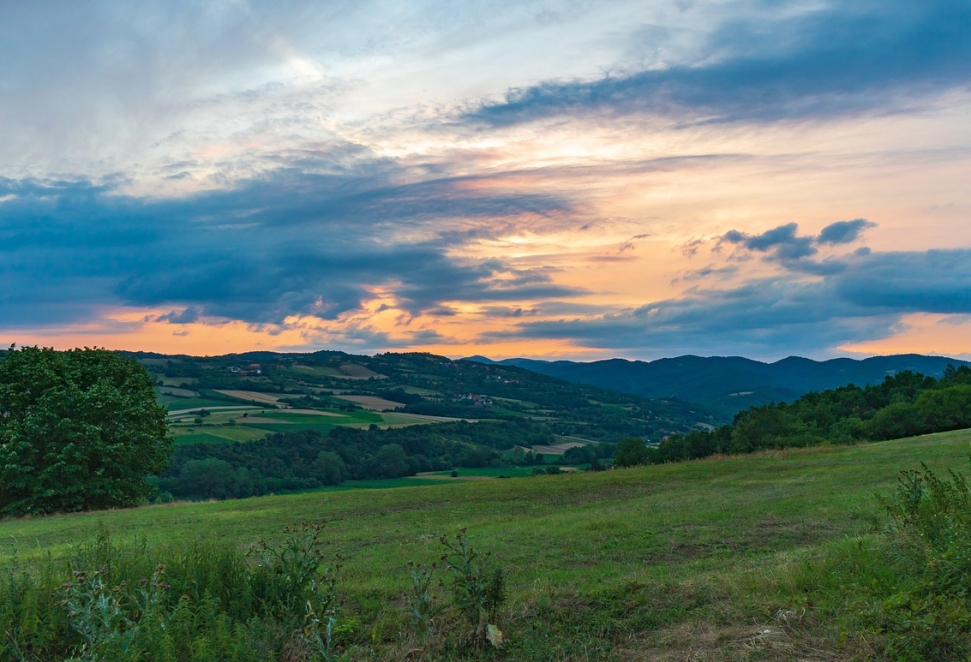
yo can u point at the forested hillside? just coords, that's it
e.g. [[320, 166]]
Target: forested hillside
[[728, 385], [905, 405], [264, 422]]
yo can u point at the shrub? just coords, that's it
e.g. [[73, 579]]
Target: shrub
[[931, 534]]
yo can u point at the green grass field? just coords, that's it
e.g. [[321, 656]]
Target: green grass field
[[229, 425], [486, 472], [173, 403], [681, 561]]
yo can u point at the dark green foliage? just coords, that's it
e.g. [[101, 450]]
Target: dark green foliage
[[330, 468], [630, 453], [79, 430], [905, 405], [307, 459], [390, 462], [931, 536]]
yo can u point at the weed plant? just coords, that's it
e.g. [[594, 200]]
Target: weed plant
[[204, 602], [931, 531], [210, 603]]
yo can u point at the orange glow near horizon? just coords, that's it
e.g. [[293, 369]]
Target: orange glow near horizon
[[943, 335]]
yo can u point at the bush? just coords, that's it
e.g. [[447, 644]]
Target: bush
[[931, 534], [630, 453]]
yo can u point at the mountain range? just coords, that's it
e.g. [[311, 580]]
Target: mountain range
[[729, 384]]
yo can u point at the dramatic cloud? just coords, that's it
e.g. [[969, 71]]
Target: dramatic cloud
[[293, 244], [782, 241], [783, 244], [768, 317], [828, 61], [530, 177], [843, 232]]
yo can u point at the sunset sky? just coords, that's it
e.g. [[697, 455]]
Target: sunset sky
[[558, 179]]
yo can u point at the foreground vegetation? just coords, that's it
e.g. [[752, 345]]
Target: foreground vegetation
[[777, 555]]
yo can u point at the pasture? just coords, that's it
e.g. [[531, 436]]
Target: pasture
[[683, 561]]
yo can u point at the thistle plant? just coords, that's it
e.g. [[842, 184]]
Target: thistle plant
[[422, 606], [477, 592], [107, 616]]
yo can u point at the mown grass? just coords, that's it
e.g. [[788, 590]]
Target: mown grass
[[700, 560], [176, 403]]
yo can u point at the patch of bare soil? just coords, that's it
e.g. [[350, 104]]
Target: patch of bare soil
[[706, 642], [370, 402], [254, 396]]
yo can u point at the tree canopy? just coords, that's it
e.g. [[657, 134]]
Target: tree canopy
[[79, 430], [903, 405]]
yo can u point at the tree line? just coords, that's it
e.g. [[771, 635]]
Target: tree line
[[303, 460], [903, 405]]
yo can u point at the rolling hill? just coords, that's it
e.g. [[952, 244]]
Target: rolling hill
[[772, 556], [730, 384]]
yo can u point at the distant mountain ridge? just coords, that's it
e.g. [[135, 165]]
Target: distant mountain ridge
[[729, 384]]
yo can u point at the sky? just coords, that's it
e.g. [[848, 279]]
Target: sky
[[554, 179]]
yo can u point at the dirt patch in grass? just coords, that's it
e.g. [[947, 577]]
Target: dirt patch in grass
[[558, 449], [316, 412], [251, 396], [182, 412], [371, 402], [178, 392], [806, 641]]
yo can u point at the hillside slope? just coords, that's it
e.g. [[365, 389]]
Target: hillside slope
[[730, 384], [683, 561]]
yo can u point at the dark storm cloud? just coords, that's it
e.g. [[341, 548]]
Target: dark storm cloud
[[292, 243], [187, 316], [864, 300], [845, 59], [843, 232], [781, 241], [783, 244]]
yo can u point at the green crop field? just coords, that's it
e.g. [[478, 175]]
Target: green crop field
[[683, 561], [174, 403], [485, 472], [192, 434], [228, 423]]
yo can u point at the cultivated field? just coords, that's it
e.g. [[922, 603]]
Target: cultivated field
[[228, 423], [253, 396], [370, 402], [723, 559]]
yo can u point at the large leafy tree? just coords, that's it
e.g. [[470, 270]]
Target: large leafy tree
[[79, 430]]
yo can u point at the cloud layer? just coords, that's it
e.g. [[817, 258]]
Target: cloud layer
[[840, 59], [293, 244], [864, 299], [541, 177]]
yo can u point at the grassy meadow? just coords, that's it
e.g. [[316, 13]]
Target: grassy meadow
[[750, 557]]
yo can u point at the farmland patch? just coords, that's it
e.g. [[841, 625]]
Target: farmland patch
[[558, 449], [370, 402], [178, 392], [251, 396]]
